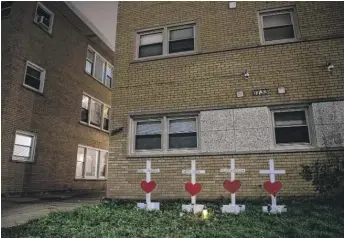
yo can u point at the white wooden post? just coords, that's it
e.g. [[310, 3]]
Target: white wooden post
[[193, 207], [148, 171], [272, 172], [233, 208]]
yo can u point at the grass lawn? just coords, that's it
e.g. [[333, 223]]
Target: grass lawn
[[303, 219]]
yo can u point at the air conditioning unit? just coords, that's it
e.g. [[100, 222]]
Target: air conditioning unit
[[42, 21]]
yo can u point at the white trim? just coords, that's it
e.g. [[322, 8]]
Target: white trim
[[277, 11], [96, 53], [165, 40], [97, 177], [164, 136], [102, 112], [32, 147], [42, 76], [52, 15]]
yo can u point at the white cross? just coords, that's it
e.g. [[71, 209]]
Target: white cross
[[193, 173], [148, 171], [272, 173], [233, 171]]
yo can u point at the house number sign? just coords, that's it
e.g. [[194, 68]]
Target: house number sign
[[260, 92]]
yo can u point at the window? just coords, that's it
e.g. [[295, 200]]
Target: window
[[165, 134], [44, 17], [166, 41], [98, 67], [95, 113], [91, 163], [291, 127], [24, 146], [278, 25], [34, 77], [6, 9]]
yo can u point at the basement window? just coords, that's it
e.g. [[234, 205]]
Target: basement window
[[34, 77], [24, 146], [278, 25], [44, 18], [166, 41], [91, 163]]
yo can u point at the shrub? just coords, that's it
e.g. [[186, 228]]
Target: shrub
[[327, 177]]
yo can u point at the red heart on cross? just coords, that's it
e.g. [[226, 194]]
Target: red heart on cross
[[272, 188], [193, 189], [148, 187], [232, 186]]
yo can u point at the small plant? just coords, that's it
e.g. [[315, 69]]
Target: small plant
[[327, 177]]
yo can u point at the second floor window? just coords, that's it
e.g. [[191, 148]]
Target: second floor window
[[95, 113], [34, 77], [166, 41], [278, 25], [99, 68]]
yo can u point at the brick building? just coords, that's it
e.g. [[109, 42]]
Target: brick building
[[56, 77], [205, 81]]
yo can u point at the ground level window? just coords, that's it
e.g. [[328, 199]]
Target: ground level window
[[291, 126], [91, 163]]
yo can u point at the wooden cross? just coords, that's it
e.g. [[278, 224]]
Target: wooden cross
[[193, 173], [233, 171], [272, 172], [148, 171]]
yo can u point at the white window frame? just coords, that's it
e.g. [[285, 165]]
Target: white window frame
[[165, 40], [309, 124], [4, 17], [33, 146], [164, 136], [279, 11], [50, 29], [104, 68], [42, 76], [97, 177], [89, 111]]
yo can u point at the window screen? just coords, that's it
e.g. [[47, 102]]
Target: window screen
[[181, 40], [150, 45], [278, 26], [148, 135], [182, 133]]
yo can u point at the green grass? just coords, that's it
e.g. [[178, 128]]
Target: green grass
[[303, 219]]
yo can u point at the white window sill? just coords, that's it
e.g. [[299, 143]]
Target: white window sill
[[97, 79], [32, 89], [165, 153], [158, 57], [286, 147], [91, 179], [276, 42], [22, 161], [91, 126]]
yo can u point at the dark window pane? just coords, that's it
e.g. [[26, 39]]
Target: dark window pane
[[6, 12], [32, 82], [6, 4], [181, 45], [150, 50], [279, 33], [292, 134], [32, 72], [148, 142], [290, 118], [84, 115], [41, 12], [183, 140], [106, 124]]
